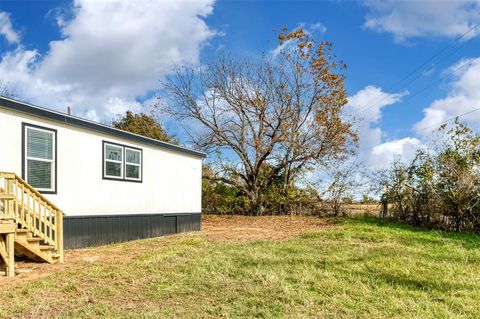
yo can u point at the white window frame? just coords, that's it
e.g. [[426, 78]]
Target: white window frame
[[52, 161], [105, 160], [139, 165], [123, 163]]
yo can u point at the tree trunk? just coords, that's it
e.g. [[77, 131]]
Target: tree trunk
[[255, 206]]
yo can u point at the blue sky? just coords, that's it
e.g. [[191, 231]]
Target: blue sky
[[104, 57]]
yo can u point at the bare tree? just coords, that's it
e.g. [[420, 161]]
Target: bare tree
[[5, 89], [267, 117], [343, 182]]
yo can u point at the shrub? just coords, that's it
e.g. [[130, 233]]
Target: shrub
[[439, 189]]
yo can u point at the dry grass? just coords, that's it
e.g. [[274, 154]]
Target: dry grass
[[363, 209], [223, 228], [292, 267]]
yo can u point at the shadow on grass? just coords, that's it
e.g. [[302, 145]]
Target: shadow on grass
[[411, 282], [375, 230], [417, 234]]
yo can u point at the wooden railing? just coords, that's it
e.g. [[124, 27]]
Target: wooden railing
[[31, 210]]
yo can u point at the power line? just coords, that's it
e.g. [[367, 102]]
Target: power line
[[428, 86], [448, 120], [418, 76], [408, 98], [429, 126], [435, 55], [380, 99]]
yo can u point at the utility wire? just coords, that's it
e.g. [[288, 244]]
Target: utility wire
[[429, 126], [435, 55], [409, 97], [381, 99], [428, 87], [377, 100], [448, 120]]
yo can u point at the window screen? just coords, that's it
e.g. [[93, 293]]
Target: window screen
[[122, 162], [132, 164], [113, 161], [39, 165]]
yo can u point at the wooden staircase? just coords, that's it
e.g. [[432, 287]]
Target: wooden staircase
[[30, 225]]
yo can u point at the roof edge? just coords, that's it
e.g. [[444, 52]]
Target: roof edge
[[39, 111]]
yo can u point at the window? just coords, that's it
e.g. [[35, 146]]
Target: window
[[113, 161], [39, 157], [121, 162], [132, 163]]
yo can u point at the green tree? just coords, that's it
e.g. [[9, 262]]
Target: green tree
[[223, 198], [218, 197], [440, 187], [145, 125]]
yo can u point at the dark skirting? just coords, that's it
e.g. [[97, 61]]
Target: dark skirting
[[95, 230]]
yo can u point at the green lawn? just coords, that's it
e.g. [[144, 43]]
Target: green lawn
[[357, 268]]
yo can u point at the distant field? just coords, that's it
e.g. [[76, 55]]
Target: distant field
[[363, 209], [267, 267]]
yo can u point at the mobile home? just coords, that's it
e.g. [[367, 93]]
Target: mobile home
[[110, 185]]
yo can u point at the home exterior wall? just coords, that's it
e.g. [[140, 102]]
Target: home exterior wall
[[99, 211], [171, 180]]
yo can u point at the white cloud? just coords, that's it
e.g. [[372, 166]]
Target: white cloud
[[403, 149], [6, 29], [112, 53], [317, 27], [280, 48], [372, 99], [464, 96], [408, 19], [366, 106]]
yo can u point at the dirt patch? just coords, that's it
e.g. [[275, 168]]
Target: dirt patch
[[238, 228], [224, 228]]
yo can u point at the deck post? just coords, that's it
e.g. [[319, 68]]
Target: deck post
[[10, 263], [59, 235]]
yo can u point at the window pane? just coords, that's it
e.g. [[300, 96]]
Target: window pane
[[132, 156], [39, 174], [132, 171], [113, 169], [39, 144], [113, 152]]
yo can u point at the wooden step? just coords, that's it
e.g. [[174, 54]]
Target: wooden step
[[32, 224], [46, 247], [34, 239], [33, 252], [24, 233]]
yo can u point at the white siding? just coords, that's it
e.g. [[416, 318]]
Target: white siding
[[171, 180]]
